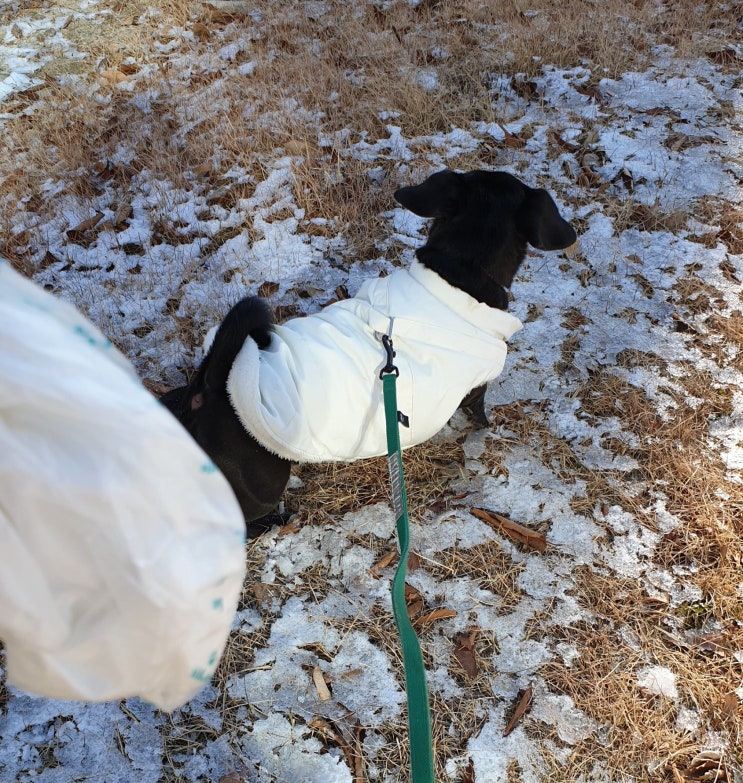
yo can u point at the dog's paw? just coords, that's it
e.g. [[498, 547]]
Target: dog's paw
[[259, 526]]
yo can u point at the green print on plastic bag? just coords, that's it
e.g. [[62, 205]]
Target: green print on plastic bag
[[205, 674], [91, 339]]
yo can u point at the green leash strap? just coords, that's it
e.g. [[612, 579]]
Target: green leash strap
[[419, 717]]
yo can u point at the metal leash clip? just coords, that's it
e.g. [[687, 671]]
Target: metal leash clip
[[389, 367]]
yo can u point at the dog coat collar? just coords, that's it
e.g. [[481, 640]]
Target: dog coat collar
[[314, 394]]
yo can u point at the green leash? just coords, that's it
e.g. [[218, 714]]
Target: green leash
[[419, 717]]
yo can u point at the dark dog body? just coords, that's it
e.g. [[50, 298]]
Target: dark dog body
[[258, 477], [482, 224]]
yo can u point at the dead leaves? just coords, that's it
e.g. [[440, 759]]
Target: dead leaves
[[651, 218], [514, 141], [105, 171], [321, 684], [232, 777], [557, 139], [593, 92], [222, 12], [588, 162], [524, 88], [413, 602], [729, 271], [116, 76], [522, 707], [87, 231], [583, 160], [123, 213], [267, 289], [119, 221], [113, 77], [294, 525], [79, 232], [464, 651], [436, 614], [382, 563], [387, 560], [201, 31], [513, 530], [730, 706], [265, 592], [416, 606], [677, 142], [709, 766]]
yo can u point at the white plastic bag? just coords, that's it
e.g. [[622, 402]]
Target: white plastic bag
[[121, 544]]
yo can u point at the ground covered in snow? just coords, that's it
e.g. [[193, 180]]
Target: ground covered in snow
[[616, 428]]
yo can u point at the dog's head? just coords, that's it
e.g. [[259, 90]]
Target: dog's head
[[483, 221]]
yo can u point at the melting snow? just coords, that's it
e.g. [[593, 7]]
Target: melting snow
[[658, 680], [124, 741]]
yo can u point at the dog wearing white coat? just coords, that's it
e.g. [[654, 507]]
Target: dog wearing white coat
[[308, 390]]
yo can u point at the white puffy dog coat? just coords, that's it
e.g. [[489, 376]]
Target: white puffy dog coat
[[314, 394]]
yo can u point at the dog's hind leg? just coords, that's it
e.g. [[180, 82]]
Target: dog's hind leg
[[474, 406]]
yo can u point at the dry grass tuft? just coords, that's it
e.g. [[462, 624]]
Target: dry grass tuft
[[338, 488], [629, 631]]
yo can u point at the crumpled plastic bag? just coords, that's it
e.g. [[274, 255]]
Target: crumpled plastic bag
[[121, 544]]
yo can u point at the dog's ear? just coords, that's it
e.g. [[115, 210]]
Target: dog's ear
[[540, 222], [438, 196]]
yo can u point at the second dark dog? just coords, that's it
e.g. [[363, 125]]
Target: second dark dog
[[308, 390]]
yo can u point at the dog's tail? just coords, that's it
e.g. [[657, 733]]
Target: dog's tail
[[250, 317]]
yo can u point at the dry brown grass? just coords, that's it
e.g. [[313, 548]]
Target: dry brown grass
[[338, 488], [310, 76], [629, 627]]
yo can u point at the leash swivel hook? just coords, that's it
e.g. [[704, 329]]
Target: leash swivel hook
[[389, 367]]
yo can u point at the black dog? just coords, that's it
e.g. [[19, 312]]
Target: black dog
[[482, 224], [258, 477]]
